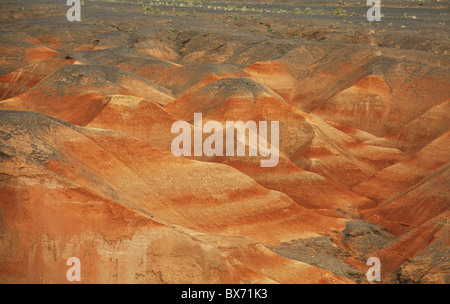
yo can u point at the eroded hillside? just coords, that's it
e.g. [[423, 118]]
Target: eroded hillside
[[86, 110]]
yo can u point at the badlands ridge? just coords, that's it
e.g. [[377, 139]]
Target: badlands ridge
[[86, 168]]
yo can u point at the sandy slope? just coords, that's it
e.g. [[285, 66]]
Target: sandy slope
[[86, 111]]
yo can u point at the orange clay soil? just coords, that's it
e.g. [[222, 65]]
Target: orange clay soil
[[86, 168]]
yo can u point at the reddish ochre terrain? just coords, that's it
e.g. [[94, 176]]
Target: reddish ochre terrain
[[86, 168]]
